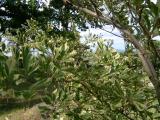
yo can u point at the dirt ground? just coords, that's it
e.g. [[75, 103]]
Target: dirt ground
[[23, 114]]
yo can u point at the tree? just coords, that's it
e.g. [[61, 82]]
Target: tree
[[136, 26], [58, 15], [76, 82], [71, 80]]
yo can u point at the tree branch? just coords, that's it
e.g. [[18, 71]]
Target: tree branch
[[148, 66]]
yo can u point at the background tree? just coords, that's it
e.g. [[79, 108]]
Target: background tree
[[58, 15]]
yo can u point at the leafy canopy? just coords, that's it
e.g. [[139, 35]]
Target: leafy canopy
[[73, 81]]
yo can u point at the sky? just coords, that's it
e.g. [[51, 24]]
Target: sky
[[118, 43]]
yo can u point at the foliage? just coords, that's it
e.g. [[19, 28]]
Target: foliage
[[14, 14], [138, 23], [45, 58], [74, 82]]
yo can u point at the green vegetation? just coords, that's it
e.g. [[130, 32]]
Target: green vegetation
[[43, 62]]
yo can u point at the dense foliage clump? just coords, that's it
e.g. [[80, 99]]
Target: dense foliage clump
[[42, 60]]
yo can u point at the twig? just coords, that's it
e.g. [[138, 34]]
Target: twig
[[112, 33]]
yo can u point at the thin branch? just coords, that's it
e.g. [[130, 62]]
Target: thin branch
[[94, 14], [112, 33], [148, 66], [99, 13]]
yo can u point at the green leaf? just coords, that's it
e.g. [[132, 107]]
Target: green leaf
[[154, 8], [137, 2], [147, 21], [19, 81], [156, 115], [139, 106], [3, 46], [16, 76]]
